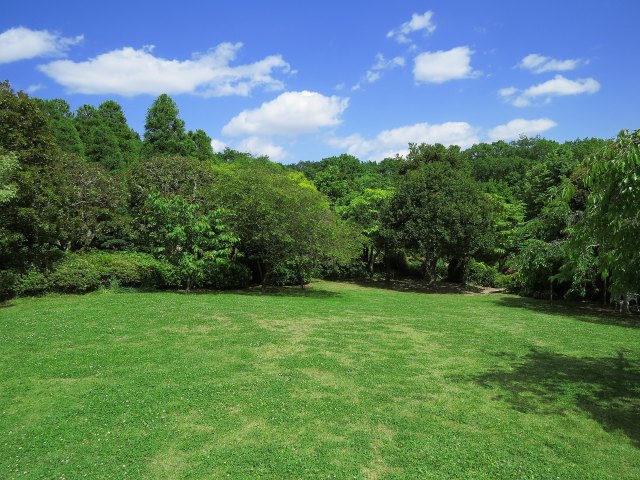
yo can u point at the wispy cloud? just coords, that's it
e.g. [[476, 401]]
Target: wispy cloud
[[375, 72], [537, 63], [556, 87], [418, 22]]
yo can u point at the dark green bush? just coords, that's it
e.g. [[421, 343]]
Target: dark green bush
[[357, 269], [8, 280], [479, 273], [31, 282], [511, 283], [226, 274]]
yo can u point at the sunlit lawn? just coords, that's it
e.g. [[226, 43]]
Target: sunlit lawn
[[338, 381]]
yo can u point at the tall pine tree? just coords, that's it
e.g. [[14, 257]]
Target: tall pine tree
[[164, 131]]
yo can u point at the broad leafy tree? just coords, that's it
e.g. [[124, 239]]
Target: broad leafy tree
[[610, 226], [181, 233], [439, 212], [8, 168], [283, 222]]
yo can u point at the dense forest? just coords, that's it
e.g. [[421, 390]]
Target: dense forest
[[85, 203]]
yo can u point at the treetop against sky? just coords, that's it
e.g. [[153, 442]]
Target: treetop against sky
[[303, 80]]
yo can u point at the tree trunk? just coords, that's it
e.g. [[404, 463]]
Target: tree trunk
[[262, 276], [429, 266], [372, 260]]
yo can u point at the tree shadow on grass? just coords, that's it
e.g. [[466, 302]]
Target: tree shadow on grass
[[607, 388], [583, 311], [414, 285]]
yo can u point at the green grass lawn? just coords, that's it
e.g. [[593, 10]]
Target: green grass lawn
[[338, 381]]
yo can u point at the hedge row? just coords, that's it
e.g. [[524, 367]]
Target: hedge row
[[85, 272]]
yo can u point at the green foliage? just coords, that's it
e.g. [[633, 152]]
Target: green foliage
[[170, 176], [610, 225], [202, 142], [283, 221], [164, 132], [30, 283], [8, 279], [62, 125], [479, 273], [223, 274], [76, 182], [424, 154], [85, 272], [511, 282], [25, 128], [128, 141], [184, 236], [440, 212], [8, 167], [537, 262], [508, 223]]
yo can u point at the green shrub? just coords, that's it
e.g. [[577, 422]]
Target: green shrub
[[8, 280], [32, 282], [226, 274], [84, 272], [511, 283], [479, 273], [357, 269], [77, 273]]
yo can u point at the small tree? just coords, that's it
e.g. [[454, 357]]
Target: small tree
[[180, 233]]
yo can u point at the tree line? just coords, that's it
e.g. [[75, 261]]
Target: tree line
[[86, 203]]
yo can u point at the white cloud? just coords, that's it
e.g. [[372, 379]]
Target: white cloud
[[508, 91], [375, 72], [442, 66], [417, 22], [556, 87], [260, 146], [388, 143], [291, 113], [539, 64], [130, 72], [21, 43], [520, 126], [34, 88], [384, 64], [218, 145]]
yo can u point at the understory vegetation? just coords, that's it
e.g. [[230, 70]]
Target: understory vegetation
[[88, 204]]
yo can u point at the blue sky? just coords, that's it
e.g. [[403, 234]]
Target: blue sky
[[305, 80]]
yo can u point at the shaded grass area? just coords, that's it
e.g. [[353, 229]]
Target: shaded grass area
[[335, 381]]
